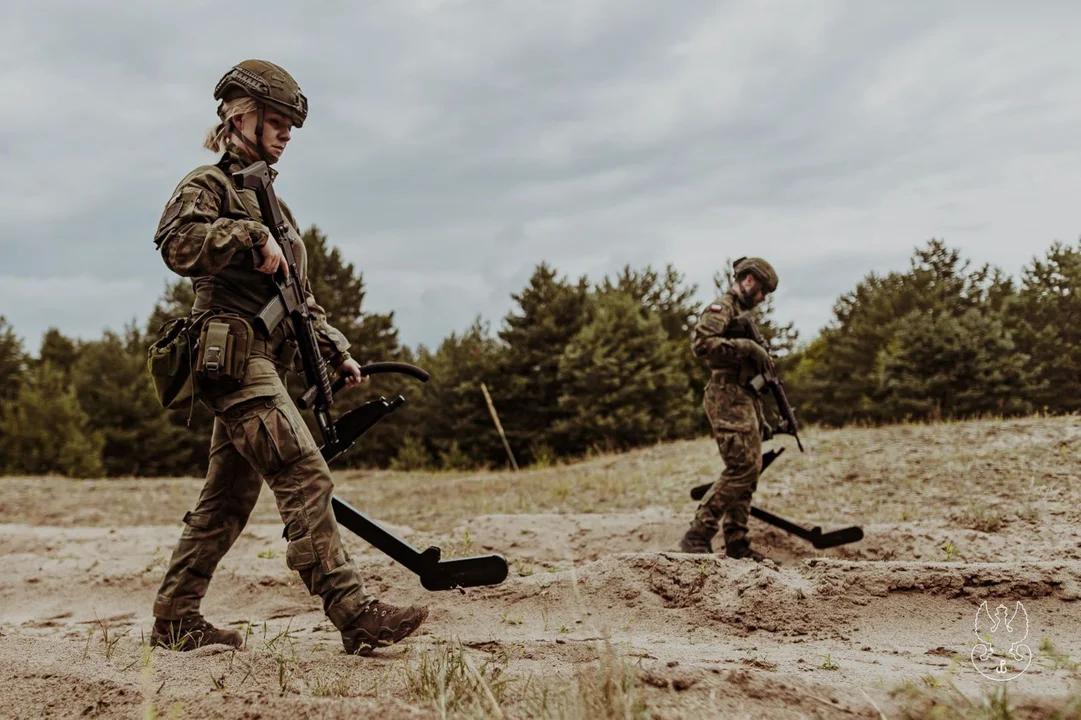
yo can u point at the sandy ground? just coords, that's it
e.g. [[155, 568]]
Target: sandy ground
[[953, 515]]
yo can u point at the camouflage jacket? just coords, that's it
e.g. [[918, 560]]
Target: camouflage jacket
[[709, 341], [207, 232], [731, 407]]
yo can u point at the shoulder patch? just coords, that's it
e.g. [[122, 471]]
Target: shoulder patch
[[172, 209], [715, 308]]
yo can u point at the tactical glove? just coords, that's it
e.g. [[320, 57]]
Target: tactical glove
[[754, 353]]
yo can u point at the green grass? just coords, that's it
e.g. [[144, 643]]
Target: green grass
[[942, 700]]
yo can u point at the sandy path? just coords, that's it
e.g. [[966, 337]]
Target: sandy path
[[708, 633], [953, 516]]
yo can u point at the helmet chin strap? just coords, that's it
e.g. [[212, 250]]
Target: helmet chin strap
[[256, 148]]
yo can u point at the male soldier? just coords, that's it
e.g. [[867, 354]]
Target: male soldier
[[215, 235], [734, 411]]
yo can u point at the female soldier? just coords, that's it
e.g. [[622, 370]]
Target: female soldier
[[214, 235]]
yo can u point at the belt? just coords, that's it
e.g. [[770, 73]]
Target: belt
[[269, 348], [276, 347]]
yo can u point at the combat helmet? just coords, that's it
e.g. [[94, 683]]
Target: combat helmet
[[268, 83], [758, 267], [271, 85]]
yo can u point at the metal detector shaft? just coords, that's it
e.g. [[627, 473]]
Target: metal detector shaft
[[435, 574], [815, 536]]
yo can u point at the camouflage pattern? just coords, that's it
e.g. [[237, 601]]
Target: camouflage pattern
[[268, 83], [736, 419], [735, 414], [254, 439], [207, 232], [709, 341]]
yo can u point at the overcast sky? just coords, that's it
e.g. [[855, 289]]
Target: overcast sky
[[452, 146]]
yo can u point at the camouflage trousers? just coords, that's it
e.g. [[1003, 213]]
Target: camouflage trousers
[[736, 418], [259, 435]]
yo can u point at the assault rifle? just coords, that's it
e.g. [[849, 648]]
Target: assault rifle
[[769, 381], [291, 303]]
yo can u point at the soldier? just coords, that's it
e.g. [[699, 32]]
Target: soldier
[[734, 411], [214, 235]]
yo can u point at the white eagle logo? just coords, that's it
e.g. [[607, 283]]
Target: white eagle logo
[[1000, 653]]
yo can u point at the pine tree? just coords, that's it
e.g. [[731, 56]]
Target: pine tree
[[840, 377], [1046, 320], [450, 415], [953, 367], [664, 296], [13, 363], [672, 301], [59, 351], [115, 391], [549, 312], [622, 384], [46, 431]]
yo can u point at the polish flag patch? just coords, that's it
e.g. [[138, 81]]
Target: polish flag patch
[[715, 308]]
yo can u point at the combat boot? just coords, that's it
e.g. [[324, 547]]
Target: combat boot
[[740, 549], [695, 542], [379, 625], [190, 633]]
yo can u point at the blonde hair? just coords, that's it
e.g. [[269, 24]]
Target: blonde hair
[[218, 137]]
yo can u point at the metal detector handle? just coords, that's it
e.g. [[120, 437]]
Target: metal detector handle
[[305, 401]]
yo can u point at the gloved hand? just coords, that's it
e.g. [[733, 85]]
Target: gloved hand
[[755, 354]]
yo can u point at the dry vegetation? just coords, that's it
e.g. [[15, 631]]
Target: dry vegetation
[[600, 619]]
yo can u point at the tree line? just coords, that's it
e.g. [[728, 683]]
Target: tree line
[[578, 367]]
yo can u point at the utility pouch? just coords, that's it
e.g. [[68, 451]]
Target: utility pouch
[[756, 384], [225, 342], [169, 361]]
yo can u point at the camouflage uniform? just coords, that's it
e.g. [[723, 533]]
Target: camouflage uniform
[[736, 416], [211, 232], [207, 232]]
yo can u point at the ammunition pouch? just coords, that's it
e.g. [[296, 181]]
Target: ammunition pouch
[[225, 343], [169, 361]]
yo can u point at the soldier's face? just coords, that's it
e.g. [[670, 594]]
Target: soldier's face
[[752, 291], [276, 130]]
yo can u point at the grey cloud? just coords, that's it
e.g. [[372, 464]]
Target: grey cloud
[[452, 146], [819, 279]]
